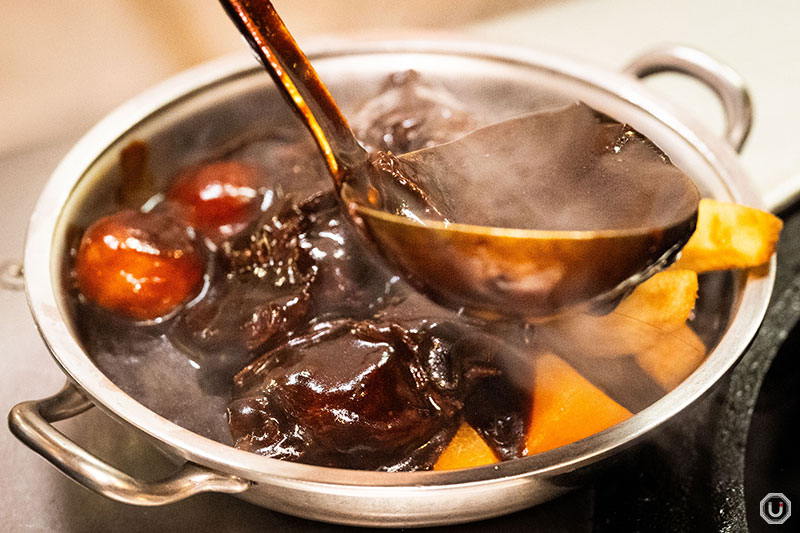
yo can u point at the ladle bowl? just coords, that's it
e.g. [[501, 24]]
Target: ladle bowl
[[609, 208], [526, 272], [495, 272]]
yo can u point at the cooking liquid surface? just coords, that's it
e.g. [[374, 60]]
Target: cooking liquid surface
[[303, 346]]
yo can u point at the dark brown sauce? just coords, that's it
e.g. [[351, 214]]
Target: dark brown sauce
[[304, 346], [337, 361]]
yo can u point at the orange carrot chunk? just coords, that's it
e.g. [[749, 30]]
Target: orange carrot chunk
[[467, 449], [566, 406]]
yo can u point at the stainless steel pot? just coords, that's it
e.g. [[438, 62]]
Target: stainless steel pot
[[205, 107]]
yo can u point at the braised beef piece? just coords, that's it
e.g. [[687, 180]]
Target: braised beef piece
[[271, 250], [410, 113], [368, 395], [260, 290], [355, 396], [300, 263], [485, 371], [499, 412], [220, 331], [349, 280]]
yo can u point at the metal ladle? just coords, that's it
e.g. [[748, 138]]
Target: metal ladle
[[637, 226]]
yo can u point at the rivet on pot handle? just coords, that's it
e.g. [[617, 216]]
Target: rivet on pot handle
[[31, 422], [723, 80]]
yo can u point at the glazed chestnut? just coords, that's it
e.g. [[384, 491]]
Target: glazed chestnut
[[222, 197], [139, 265]]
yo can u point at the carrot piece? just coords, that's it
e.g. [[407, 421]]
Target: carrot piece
[[467, 449], [566, 406]]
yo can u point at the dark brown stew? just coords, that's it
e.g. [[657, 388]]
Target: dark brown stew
[[301, 345]]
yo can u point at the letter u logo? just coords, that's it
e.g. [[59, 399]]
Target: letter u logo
[[771, 512]]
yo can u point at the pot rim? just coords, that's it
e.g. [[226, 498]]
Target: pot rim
[[42, 269]]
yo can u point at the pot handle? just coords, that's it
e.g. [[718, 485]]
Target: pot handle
[[31, 422], [720, 78]]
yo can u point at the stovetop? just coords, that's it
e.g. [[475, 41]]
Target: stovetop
[[707, 470]]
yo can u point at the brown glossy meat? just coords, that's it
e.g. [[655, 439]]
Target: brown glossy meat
[[259, 294], [355, 396], [300, 263], [349, 281], [409, 114], [486, 373]]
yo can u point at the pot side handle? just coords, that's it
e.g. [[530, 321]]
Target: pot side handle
[[726, 83], [31, 422]]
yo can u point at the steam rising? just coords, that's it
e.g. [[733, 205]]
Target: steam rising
[[566, 169]]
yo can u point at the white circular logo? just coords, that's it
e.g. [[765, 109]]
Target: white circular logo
[[776, 508]]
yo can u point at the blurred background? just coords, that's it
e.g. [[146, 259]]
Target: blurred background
[[77, 59]]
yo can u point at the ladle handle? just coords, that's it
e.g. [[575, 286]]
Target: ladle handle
[[723, 80], [31, 422], [275, 47]]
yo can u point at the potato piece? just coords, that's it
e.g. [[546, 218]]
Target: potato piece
[[676, 355], [467, 449], [661, 304], [566, 406], [665, 300], [730, 236]]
